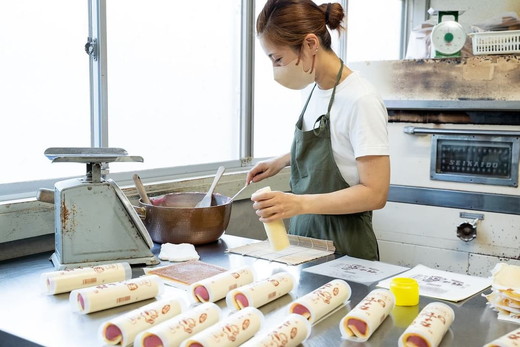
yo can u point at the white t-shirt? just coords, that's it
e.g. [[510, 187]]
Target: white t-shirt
[[358, 123]]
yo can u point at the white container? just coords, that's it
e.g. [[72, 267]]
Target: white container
[[496, 42]]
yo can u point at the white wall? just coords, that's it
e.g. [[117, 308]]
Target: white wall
[[477, 10]]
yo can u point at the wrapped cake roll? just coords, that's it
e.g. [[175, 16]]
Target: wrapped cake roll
[[275, 230], [261, 292], [216, 287], [360, 323], [291, 332], [320, 302], [428, 329], [64, 281], [511, 339], [102, 297], [173, 331], [122, 330], [231, 331]]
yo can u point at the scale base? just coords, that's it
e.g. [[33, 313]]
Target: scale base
[[58, 265]]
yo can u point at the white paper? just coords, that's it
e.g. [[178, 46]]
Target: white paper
[[356, 270], [442, 284]]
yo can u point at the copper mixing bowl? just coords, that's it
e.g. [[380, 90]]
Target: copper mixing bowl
[[173, 218]]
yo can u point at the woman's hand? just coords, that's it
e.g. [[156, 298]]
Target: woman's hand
[[370, 194], [267, 168], [274, 205]]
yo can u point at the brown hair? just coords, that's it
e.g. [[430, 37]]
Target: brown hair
[[287, 22]]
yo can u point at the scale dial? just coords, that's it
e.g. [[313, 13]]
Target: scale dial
[[448, 37]]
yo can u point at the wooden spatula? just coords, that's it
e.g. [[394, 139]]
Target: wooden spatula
[[206, 200]]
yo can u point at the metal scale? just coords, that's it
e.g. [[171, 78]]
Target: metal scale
[[448, 36], [95, 223]]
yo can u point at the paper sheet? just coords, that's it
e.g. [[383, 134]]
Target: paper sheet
[[301, 250], [356, 270], [443, 284]]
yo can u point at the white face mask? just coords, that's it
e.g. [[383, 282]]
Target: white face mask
[[293, 76]]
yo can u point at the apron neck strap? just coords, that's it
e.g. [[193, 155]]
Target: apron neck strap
[[322, 122], [338, 77]]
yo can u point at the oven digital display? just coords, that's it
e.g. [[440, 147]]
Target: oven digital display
[[474, 158]]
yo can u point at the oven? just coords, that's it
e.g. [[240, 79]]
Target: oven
[[454, 129]]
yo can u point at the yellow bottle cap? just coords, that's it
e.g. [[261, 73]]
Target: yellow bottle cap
[[405, 290]]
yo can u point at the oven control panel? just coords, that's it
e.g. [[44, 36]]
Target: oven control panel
[[475, 159]]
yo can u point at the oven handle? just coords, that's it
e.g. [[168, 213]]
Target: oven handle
[[429, 131]]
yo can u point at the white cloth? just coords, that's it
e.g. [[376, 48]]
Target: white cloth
[[178, 252], [358, 122]]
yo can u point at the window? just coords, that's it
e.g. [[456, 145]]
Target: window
[[174, 81], [173, 90], [174, 85], [44, 88], [374, 30]]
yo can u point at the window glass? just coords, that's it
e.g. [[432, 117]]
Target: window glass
[[44, 86], [174, 81], [374, 30]]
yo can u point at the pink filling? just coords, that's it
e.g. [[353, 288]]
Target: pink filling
[[152, 341], [417, 340], [241, 300], [81, 301], [359, 324], [201, 293], [195, 344], [112, 332], [301, 310]]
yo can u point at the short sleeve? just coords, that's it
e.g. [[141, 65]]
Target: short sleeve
[[368, 127]]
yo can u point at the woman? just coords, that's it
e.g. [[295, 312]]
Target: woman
[[340, 167]]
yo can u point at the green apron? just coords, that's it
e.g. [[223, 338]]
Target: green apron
[[314, 171]]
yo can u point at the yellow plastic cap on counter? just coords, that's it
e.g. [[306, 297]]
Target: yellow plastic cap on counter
[[405, 290]]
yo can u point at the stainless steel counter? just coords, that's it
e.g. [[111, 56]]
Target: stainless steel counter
[[28, 314]]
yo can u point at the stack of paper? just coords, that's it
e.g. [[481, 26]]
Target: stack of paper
[[505, 295]]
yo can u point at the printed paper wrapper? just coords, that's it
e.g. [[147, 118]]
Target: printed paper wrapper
[[216, 287], [507, 277], [261, 292], [57, 282], [102, 297], [291, 332], [177, 329], [322, 301], [123, 329], [429, 327], [511, 339], [505, 295], [360, 323], [232, 331]]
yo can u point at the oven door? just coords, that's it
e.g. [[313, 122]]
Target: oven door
[[452, 205]]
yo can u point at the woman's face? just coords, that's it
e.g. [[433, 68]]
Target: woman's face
[[279, 55], [290, 67]]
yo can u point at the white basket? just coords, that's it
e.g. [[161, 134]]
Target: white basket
[[496, 42]]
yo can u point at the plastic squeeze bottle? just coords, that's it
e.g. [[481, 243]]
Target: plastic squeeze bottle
[[276, 232]]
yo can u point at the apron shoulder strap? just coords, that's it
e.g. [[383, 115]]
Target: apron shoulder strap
[[323, 120], [300, 119]]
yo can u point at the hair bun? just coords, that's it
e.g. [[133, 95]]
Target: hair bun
[[333, 14]]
